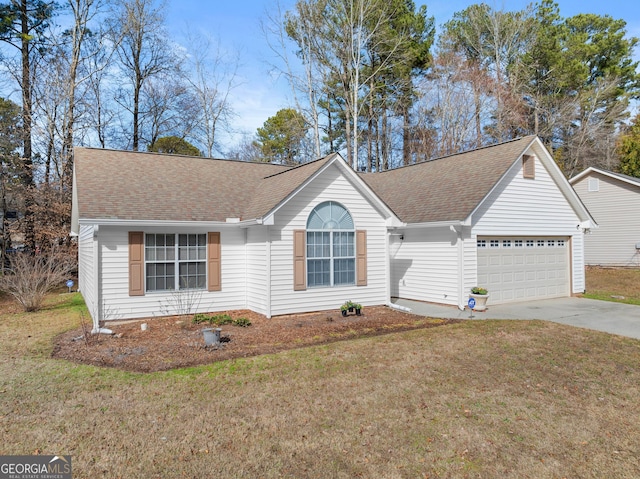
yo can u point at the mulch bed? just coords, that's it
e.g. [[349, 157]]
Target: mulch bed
[[174, 342]]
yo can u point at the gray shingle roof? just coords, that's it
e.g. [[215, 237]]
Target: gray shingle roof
[[129, 185], [448, 188], [148, 186], [277, 187]]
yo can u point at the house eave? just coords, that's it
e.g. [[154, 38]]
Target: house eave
[[606, 173], [168, 223], [436, 224]]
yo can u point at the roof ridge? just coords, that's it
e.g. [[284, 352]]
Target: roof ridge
[[324, 158], [175, 155], [622, 176], [473, 150]]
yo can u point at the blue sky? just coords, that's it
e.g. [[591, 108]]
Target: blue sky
[[260, 94]]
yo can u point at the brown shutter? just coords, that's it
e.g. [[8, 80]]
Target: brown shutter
[[214, 264], [299, 260], [361, 258], [528, 166], [136, 263]]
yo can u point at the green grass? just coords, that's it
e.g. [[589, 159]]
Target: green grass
[[478, 399], [621, 285]]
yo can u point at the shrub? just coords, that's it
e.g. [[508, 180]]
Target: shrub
[[200, 318], [31, 277], [478, 290], [242, 322], [219, 320]]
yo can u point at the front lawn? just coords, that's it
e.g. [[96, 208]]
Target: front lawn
[[613, 284], [477, 399]]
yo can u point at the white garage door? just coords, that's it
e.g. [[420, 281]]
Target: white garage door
[[522, 269]]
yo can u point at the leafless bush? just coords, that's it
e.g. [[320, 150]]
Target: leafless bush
[[181, 303], [31, 277], [86, 329]]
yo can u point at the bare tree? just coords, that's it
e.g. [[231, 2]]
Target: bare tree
[[48, 101], [590, 131], [83, 12], [492, 42], [452, 105], [212, 77], [247, 149], [279, 28], [143, 52], [167, 107], [101, 122]]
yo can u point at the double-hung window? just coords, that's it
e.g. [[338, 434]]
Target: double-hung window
[[175, 261], [331, 251]]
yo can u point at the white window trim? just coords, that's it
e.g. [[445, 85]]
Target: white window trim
[[332, 258], [176, 261]]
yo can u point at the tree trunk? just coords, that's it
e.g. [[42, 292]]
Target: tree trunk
[[406, 137], [26, 96], [384, 141], [27, 162], [136, 115]]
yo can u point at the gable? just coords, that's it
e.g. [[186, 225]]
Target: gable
[[521, 205], [598, 173], [536, 195], [596, 181], [339, 181], [610, 199], [331, 184]]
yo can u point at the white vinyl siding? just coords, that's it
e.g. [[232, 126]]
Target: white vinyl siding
[[531, 208], [87, 274], [257, 269], [616, 209], [115, 291], [330, 186], [425, 265]]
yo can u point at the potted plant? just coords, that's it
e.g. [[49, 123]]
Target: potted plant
[[481, 295], [350, 307]]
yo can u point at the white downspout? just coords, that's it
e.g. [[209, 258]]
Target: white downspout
[[246, 268], [387, 267], [97, 284], [460, 245], [268, 279]]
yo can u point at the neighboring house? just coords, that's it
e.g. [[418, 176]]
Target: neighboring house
[[281, 240], [614, 201]]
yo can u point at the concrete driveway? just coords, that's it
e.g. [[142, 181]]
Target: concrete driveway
[[615, 318]]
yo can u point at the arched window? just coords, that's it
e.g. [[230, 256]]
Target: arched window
[[331, 252]]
